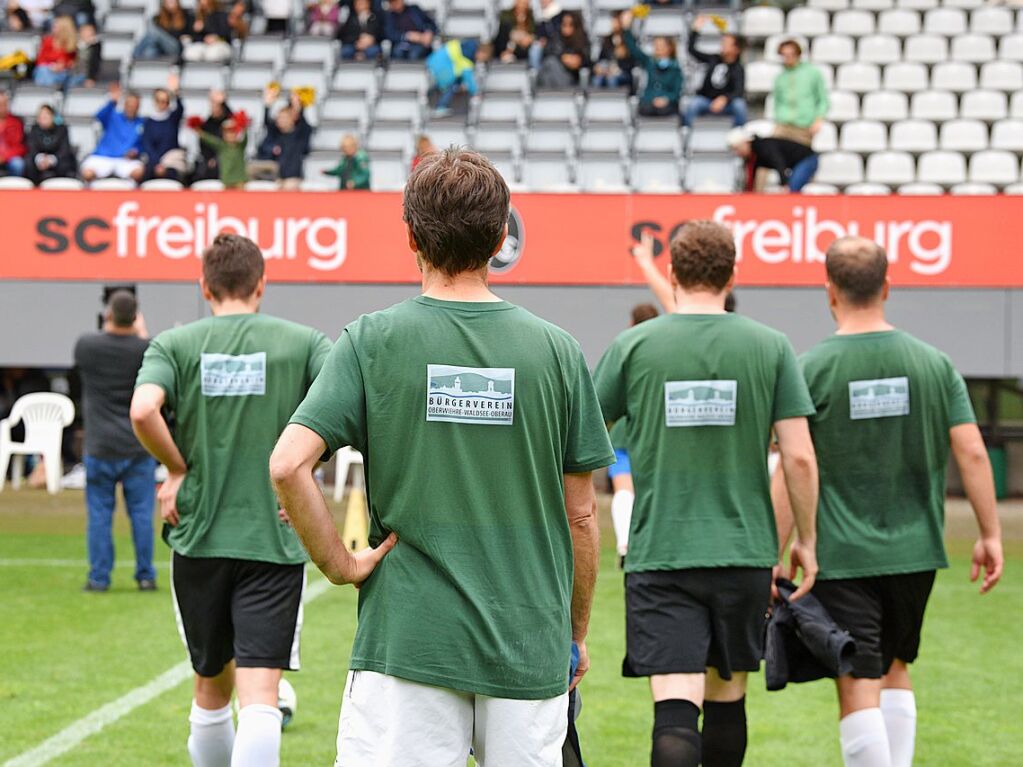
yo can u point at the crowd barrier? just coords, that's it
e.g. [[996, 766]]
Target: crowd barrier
[[554, 239]]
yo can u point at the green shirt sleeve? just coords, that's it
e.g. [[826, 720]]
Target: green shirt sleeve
[[821, 101], [791, 395], [609, 379], [159, 367], [960, 409], [319, 349], [335, 407], [588, 446]]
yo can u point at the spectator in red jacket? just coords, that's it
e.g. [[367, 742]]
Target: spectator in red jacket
[[12, 140], [55, 64]]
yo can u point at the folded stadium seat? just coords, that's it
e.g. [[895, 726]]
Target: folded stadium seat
[[934, 105], [812, 22], [954, 76], [760, 76], [406, 78], [963, 136], [840, 169], [328, 134], [257, 186], [112, 185], [1016, 106], [709, 134], [491, 138], [547, 172], [885, 106], [914, 136], [147, 75], [891, 168], [600, 26], [555, 107], [127, 21], [445, 134], [771, 46], [964, 4], [161, 185], [1013, 189], [943, 168], [760, 22], [926, 49], [844, 107], [1002, 76], [828, 5], [899, 22], [467, 26], [64, 184], [601, 172], [858, 77], [994, 167], [945, 21], [82, 135], [602, 138], [306, 76], [15, 182], [318, 161], [607, 108], [666, 23], [832, 49], [27, 42], [653, 136], [502, 109], [269, 49], [879, 49], [873, 5], [905, 76], [855, 23], [250, 76], [397, 108], [917, 5], [356, 77], [28, 98], [1010, 47], [1007, 135], [506, 78], [390, 138], [990, 21], [712, 173], [309, 49], [547, 138], [318, 183], [388, 171], [984, 105], [976, 49], [917, 189], [815, 189], [827, 74], [203, 76], [826, 139], [349, 109], [973, 190], [868, 189], [655, 173], [117, 49], [863, 136]]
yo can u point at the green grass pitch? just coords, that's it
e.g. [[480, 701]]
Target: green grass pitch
[[65, 653]]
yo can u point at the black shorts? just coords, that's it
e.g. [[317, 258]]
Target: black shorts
[[238, 609], [883, 613], [682, 621]]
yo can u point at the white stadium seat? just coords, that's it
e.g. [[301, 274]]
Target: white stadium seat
[[917, 5], [506, 78], [863, 136], [899, 22], [711, 174], [1014, 189], [602, 138], [67, 184], [550, 138], [1007, 134], [760, 76], [945, 21], [1016, 107], [761, 22], [955, 76], [906, 76], [655, 174], [892, 168], [868, 189], [963, 136], [601, 172], [976, 49], [964, 4], [607, 108], [984, 105], [972, 189], [16, 182], [920, 190], [495, 139], [994, 167], [828, 5], [944, 168], [308, 49], [815, 189], [658, 137], [1010, 48], [879, 49], [926, 49], [934, 105], [855, 23], [547, 172], [858, 77], [886, 106], [826, 139], [844, 106], [913, 136], [991, 21], [873, 5], [811, 22], [355, 78], [555, 107], [832, 49], [1002, 76], [840, 169]]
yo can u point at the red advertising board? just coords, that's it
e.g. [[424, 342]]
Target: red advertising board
[[358, 237]]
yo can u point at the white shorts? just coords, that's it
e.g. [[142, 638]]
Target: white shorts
[[104, 167], [392, 722]]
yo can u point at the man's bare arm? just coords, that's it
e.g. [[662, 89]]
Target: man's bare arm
[[152, 430], [581, 509], [799, 466], [782, 510], [659, 284], [291, 471], [975, 467]]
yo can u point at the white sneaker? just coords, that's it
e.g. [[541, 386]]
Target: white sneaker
[[74, 479]]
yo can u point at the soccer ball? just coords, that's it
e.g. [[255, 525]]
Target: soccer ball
[[287, 701]]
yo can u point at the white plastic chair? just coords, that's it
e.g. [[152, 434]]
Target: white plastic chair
[[925, 49], [879, 49], [899, 22], [347, 457], [890, 168], [45, 416]]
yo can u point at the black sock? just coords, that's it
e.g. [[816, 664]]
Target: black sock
[[676, 737], [724, 733]]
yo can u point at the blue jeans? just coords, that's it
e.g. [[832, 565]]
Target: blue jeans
[[803, 173], [56, 78], [138, 482], [348, 51], [700, 105], [16, 167], [406, 50], [157, 43]]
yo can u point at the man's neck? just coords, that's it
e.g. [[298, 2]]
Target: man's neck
[[117, 330], [232, 306], [854, 320], [467, 286], [699, 302]]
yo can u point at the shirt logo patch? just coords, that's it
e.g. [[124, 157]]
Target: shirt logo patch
[[458, 394], [699, 403], [233, 375], [879, 398]]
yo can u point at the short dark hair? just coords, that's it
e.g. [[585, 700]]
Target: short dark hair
[[857, 267], [642, 313], [456, 204], [703, 255], [794, 43], [123, 308], [232, 266], [740, 41], [161, 92]]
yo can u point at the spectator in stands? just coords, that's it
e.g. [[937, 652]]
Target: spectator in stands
[[207, 167], [516, 32], [238, 21], [424, 146], [12, 139], [323, 19], [361, 33], [166, 30], [663, 89], [800, 96], [277, 13], [117, 153], [82, 11], [287, 140], [547, 28], [723, 91], [40, 12], [58, 52], [90, 56], [163, 156], [228, 146], [210, 36], [614, 65], [565, 55], [50, 154], [795, 162], [353, 169], [16, 19], [410, 30], [452, 67]]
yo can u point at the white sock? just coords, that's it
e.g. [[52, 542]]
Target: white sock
[[258, 743], [621, 517], [212, 736], [899, 709], [864, 739]]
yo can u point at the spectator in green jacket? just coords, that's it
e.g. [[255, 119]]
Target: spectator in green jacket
[[800, 96], [230, 149], [353, 170], [663, 90]]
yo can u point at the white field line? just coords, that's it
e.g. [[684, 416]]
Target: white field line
[[76, 732], [31, 562]]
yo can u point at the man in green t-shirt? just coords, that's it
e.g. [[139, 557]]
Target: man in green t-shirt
[[889, 409], [479, 428], [238, 571], [702, 390]]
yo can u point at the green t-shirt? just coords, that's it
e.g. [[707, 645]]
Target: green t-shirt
[[232, 383], [467, 416], [885, 404], [619, 434], [701, 393]]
